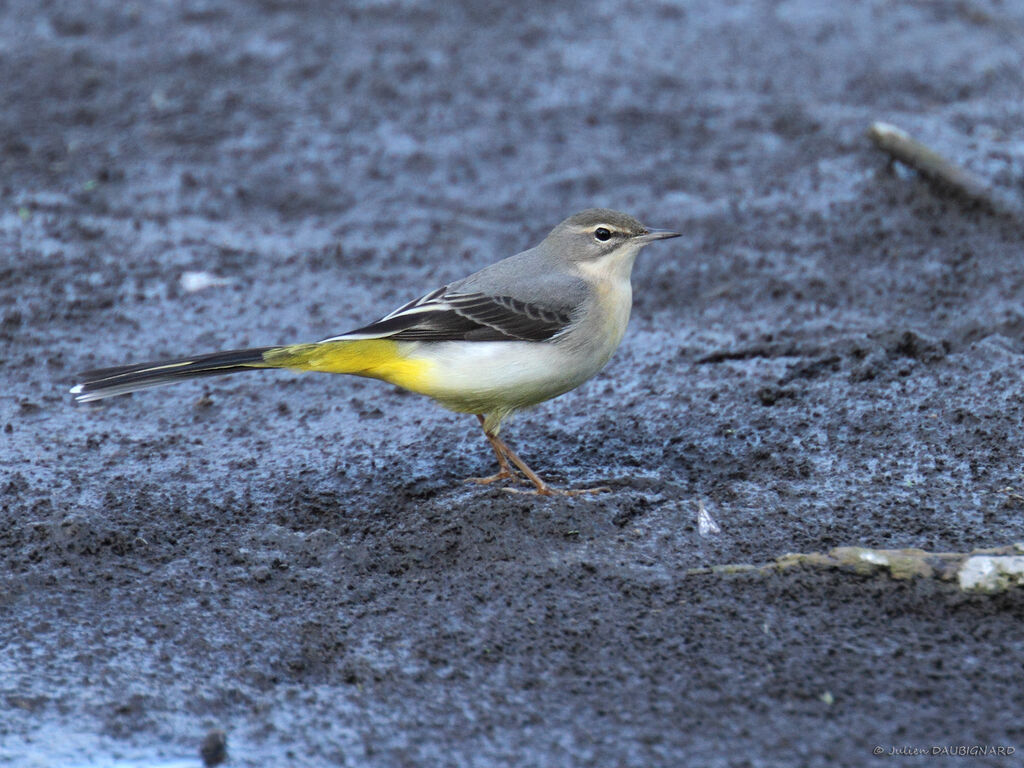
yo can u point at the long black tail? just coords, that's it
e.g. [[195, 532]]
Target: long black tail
[[107, 382]]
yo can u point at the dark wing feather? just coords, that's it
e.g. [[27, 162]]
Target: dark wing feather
[[441, 316], [510, 316]]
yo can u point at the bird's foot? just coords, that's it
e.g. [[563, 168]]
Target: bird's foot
[[547, 490], [496, 477], [506, 455]]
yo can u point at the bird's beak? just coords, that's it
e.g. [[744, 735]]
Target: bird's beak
[[657, 234]]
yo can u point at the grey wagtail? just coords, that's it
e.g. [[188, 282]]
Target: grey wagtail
[[517, 333]]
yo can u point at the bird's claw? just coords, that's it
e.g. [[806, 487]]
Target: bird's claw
[[548, 490]]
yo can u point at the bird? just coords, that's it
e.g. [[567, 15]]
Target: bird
[[521, 331]]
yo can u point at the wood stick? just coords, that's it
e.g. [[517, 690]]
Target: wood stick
[[941, 171]]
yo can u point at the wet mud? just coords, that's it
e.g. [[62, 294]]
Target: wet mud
[[830, 356]]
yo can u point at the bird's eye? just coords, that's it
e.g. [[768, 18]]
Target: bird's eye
[[602, 234]]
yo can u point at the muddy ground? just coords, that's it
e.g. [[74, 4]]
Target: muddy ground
[[830, 355]]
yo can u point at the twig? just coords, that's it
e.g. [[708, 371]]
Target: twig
[[941, 171], [989, 571]]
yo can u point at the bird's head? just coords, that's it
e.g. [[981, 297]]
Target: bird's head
[[601, 240]]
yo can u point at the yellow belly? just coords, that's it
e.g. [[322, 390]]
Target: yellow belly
[[374, 358], [469, 377]]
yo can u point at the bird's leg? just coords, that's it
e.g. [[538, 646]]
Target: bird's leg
[[504, 470], [540, 487]]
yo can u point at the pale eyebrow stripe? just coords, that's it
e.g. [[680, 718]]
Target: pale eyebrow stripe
[[586, 230]]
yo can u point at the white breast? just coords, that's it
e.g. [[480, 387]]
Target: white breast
[[498, 376]]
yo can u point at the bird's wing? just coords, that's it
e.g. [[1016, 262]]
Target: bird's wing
[[449, 314]]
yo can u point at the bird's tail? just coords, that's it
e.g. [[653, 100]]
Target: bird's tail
[[376, 358], [107, 382]]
